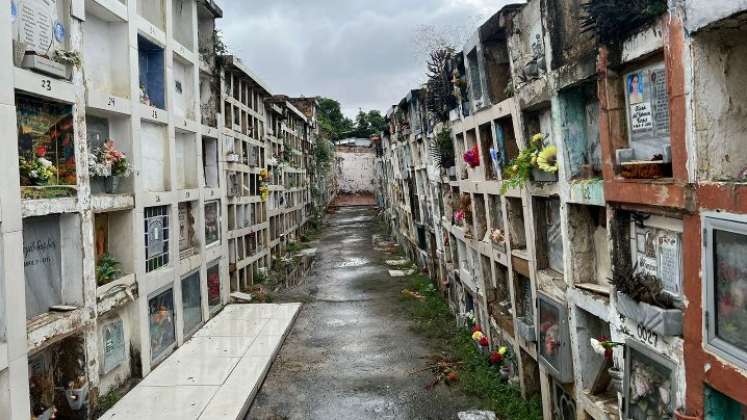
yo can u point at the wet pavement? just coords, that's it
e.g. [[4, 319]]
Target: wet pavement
[[352, 348]]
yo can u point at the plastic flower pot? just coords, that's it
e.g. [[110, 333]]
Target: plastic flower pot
[[505, 372]]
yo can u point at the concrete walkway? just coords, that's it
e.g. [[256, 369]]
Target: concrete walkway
[[353, 353], [216, 374]]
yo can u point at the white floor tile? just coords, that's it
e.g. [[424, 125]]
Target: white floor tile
[[192, 369], [162, 403]]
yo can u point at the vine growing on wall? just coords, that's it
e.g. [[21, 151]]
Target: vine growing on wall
[[614, 20], [442, 149]]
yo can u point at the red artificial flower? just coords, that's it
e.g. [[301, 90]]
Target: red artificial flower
[[495, 358], [472, 157], [484, 342], [41, 151], [476, 328]]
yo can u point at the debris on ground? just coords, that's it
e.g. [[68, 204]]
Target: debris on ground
[[412, 294], [398, 263], [241, 297], [401, 273], [476, 415], [260, 293], [443, 368]]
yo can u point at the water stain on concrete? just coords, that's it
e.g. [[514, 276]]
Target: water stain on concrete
[[351, 351]]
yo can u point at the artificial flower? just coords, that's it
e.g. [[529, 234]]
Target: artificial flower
[[502, 350], [472, 157], [537, 138], [476, 328], [484, 341], [597, 346], [496, 235], [547, 159], [477, 335], [495, 358], [41, 151]]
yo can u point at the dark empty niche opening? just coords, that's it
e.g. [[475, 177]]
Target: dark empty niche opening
[[516, 232], [490, 162]]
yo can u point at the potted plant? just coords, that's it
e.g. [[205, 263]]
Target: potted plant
[[107, 270], [110, 164], [442, 152]]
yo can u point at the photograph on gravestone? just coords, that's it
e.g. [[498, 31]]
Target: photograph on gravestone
[[191, 302], [41, 264], [212, 222], [162, 323], [213, 283], [648, 111]]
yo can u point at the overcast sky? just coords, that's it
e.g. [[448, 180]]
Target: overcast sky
[[364, 53]]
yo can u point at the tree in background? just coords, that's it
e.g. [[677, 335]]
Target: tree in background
[[337, 126], [333, 123]]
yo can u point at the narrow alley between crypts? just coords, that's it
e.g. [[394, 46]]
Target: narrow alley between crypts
[[352, 351]]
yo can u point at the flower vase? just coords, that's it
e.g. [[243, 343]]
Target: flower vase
[[111, 184], [616, 379], [77, 397]]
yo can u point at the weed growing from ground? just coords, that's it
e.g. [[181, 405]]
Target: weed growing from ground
[[434, 320]]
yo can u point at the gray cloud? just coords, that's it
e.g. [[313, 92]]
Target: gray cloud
[[363, 53]]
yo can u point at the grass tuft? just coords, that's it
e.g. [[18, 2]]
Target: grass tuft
[[434, 320]]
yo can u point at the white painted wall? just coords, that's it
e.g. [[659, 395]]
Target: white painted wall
[[357, 171]]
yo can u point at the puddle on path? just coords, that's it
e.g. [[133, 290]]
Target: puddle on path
[[352, 262]]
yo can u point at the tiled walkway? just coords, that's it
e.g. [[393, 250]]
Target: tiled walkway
[[216, 374]]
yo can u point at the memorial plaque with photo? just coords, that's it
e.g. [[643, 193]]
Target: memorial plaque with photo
[[213, 283], [162, 323], [41, 264], [35, 22], [648, 110]]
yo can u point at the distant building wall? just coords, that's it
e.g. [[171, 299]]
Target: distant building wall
[[357, 169]]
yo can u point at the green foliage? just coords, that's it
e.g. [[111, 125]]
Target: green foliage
[[519, 170], [334, 125], [476, 377], [368, 124], [107, 269], [439, 92], [614, 20], [442, 149], [104, 403]]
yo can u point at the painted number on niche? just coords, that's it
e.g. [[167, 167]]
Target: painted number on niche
[[46, 84], [111, 102], [155, 114], [647, 335]]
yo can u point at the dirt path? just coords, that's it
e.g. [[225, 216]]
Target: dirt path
[[350, 353]]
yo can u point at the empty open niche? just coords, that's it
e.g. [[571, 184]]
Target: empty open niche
[[549, 236], [595, 377], [487, 151], [183, 13], [184, 95], [516, 230], [590, 253], [186, 155], [107, 69], [154, 11], [210, 162]]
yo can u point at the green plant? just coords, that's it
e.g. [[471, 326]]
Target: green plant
[[67, 57], [107, 269], [477, 378], [36, 170], [442, 149], [613, 20]]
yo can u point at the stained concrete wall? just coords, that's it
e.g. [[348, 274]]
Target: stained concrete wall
[[356, 170]]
